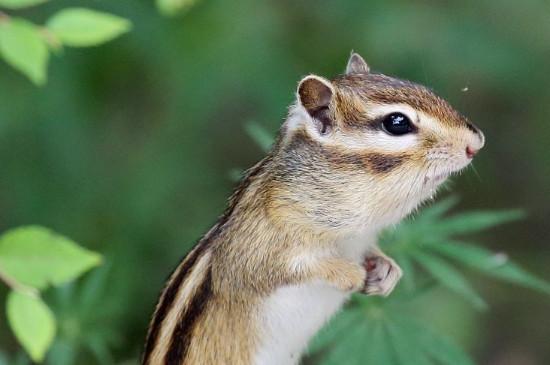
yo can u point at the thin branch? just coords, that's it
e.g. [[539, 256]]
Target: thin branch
[[4, 17], [17, 286], [50, 38]]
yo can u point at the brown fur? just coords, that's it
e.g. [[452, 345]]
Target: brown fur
[[383, 89], [249, 258]]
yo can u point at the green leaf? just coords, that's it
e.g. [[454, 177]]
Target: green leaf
[[476, 221], [349, 348], [438, 347], [23, 47], [79, 27], [442, 349], [173, 7], [18, 4], [406, 347], [449, 277], [36, 256], [378, 351], [338, 325], [260, 135], [496, 265], [32, 322], [406, 265], [412, 231], [437, 210]]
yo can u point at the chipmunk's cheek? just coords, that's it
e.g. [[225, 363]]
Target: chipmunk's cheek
[[384, 163]]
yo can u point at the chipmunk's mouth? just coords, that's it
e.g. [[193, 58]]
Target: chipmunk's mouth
[[444, 172]]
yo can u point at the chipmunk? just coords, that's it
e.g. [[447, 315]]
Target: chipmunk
[[356, 154]]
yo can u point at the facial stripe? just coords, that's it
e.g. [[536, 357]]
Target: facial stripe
[[380, 163], [371, 161]]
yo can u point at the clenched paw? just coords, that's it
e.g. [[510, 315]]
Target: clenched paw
[[383, 274]]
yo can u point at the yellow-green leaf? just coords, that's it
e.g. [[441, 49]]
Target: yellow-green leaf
[[32, 322], [79, 27], [22, 46], [18, 4], [37, 257], [173, 7]]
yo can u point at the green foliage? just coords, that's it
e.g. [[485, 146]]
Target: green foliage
[[497, 265], [377, 332], [18, 4], [260, 135], [387, 335], [448, 277], [32, 323], [24, 45], [24, 49], [130, 144], [38, 257], [87, 320], [173, 7], [32, 258], [77, 27]]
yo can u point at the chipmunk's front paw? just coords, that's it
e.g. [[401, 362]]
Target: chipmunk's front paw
[[344, 275], [383, 274], [355, 279]]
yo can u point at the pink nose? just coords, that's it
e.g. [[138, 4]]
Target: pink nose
[[471, 152]]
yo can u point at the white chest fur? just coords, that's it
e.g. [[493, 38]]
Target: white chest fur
[[291, 316]]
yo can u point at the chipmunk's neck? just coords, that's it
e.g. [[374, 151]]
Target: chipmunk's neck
[[263, 205]]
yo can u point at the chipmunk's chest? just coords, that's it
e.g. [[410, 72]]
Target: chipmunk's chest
[[290, 317], [293, 314]]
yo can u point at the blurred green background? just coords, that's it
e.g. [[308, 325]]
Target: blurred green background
[[129, 147]]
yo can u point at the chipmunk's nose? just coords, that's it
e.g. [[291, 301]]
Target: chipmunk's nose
[[475, 141], [471, 152]]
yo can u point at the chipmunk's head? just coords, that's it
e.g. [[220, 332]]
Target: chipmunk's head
[[366, 149]]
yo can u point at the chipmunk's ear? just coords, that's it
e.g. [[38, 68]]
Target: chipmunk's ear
[[315, 94], [356, 65]]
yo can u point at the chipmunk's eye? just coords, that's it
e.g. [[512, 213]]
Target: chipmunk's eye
[[397, 124]]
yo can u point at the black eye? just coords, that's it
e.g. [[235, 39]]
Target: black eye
[[397, 124]]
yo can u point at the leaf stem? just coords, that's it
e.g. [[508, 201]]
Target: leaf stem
[[50, 38], [17, 286]]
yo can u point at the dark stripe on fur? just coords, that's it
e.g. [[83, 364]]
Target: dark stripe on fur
[[381, 163], [170, 292], [168, 297], [182, 335], [377, 163]]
